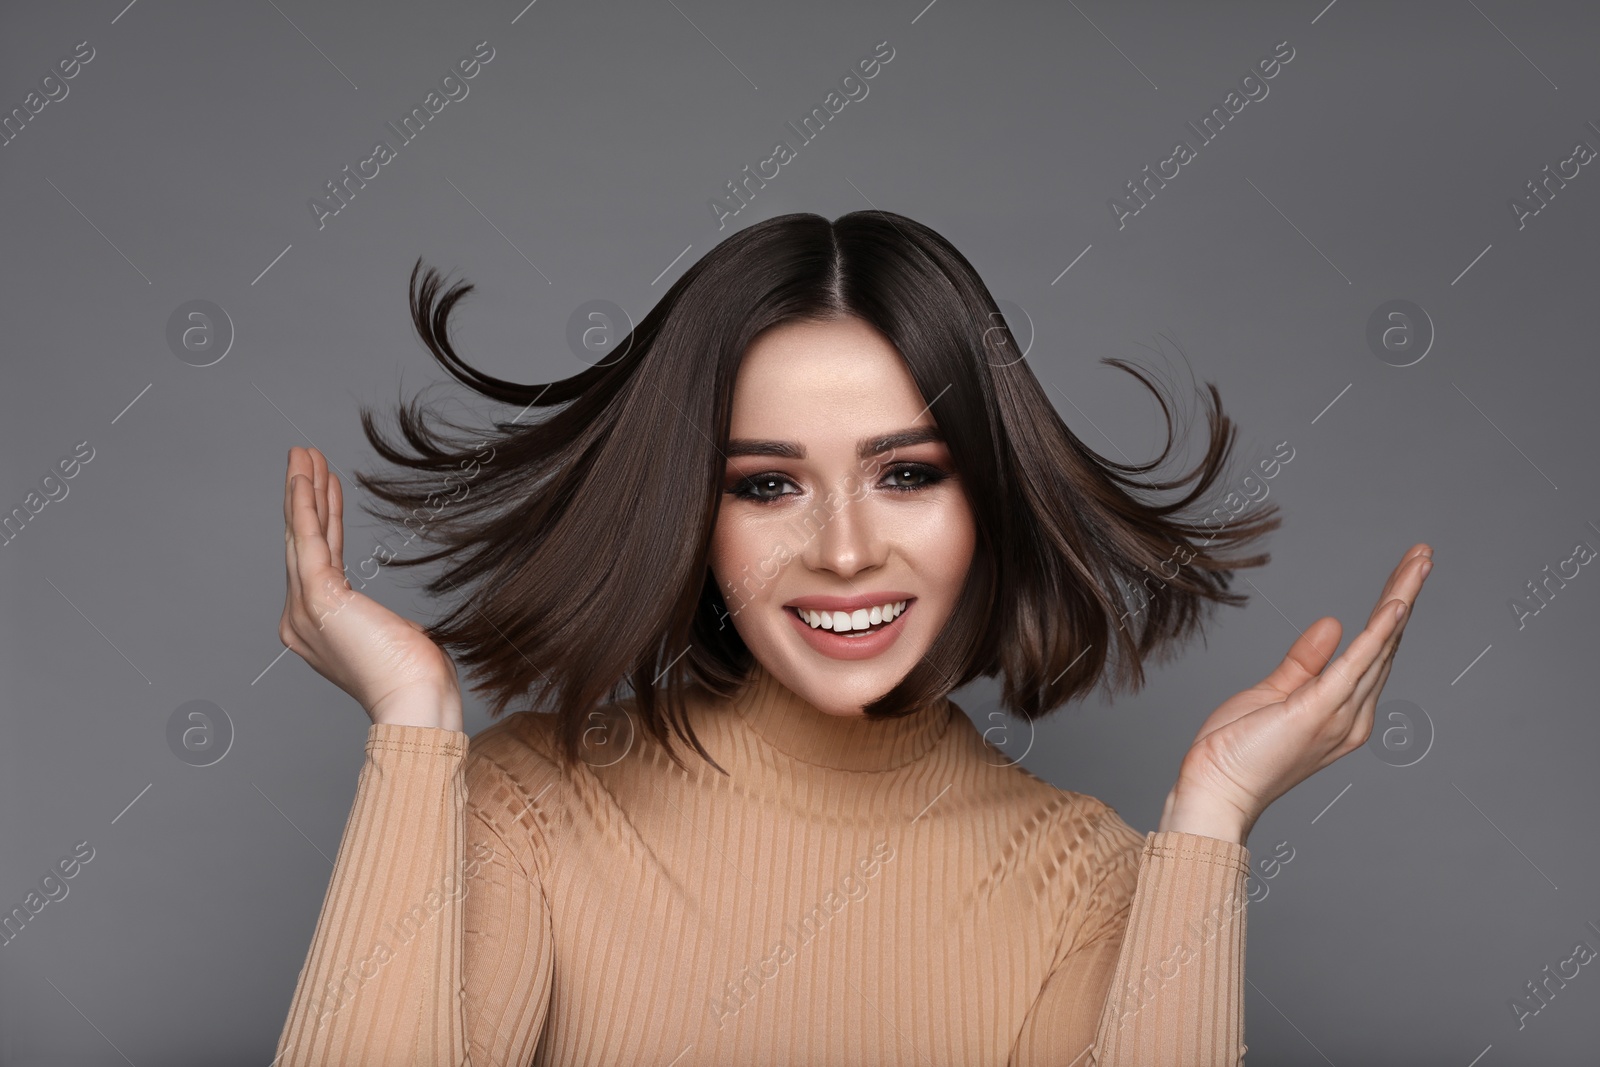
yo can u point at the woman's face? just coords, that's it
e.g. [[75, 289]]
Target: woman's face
[[822, 518]]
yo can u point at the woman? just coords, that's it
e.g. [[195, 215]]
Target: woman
[[814, 491]]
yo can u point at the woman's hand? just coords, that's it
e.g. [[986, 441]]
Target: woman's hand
[[387, 662], [1261, 743]]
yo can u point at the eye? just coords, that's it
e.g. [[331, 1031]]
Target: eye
[[928, 476], [900, 478], [755, 488]]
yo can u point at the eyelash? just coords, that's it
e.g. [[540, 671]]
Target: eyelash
[[744, 488]]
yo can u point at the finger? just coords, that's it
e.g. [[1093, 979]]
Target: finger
[[1343, 687], [1358, 705], [1338, 683], [1368, 707], [1362, 723], [1414, 572], [1405, 582], [291, 571], [319, 487], [1392, 582], [1371, 684], [290, 577], [291, 560], [1307, 656], [294, 608], [310, 546], [1407, 594], [336, 521], [288, 479]]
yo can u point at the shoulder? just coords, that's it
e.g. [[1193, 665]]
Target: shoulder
[[521, 744], [1091, 842], [519, 747], [1079, 840], [522, 753], [516, 783], [1066, 816], [1091, 859]]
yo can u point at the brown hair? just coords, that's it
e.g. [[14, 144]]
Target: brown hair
[[585, 536]]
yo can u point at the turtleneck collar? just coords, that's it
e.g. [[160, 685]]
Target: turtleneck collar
[[785, 721]]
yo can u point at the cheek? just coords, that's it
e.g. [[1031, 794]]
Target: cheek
[[735, 554], [947, 540], [722, 554]]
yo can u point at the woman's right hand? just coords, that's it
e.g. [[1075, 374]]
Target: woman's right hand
[[385, 661]]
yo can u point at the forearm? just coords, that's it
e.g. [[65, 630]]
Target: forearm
[[1177, 994], [392, 909]]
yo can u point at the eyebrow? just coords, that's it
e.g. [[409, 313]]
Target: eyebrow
[[866, 447]]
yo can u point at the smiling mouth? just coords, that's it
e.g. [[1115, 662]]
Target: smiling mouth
[[825, 621]]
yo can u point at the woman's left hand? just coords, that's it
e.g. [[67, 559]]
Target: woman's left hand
[[1264, 741]]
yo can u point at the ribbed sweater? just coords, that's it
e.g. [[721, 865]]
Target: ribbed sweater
[[851, 892]]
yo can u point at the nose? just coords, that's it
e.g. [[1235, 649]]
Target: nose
[[849, 540]]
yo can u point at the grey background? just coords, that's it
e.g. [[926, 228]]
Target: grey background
[[1420, 899]]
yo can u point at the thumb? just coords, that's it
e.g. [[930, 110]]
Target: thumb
[[1307, 656]]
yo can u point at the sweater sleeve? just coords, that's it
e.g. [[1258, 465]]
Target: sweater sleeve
[[1150, 971], [434, 943]]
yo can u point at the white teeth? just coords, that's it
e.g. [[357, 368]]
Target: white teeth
[[860, 619]]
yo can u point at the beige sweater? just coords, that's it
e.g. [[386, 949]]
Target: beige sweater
[[855, 893]]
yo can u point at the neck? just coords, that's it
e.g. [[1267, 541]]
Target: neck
[[787, 722]]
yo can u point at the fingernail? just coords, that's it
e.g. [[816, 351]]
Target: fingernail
[[1426, 567]]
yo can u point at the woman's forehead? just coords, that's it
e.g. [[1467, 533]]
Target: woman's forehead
[[816, 378]]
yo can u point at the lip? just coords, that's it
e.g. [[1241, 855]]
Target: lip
[[835, 646], [849, 603]]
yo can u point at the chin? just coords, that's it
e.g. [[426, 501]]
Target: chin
[[838, 687]]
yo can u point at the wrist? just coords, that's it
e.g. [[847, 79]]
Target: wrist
[[1195, 813], [440, 711]]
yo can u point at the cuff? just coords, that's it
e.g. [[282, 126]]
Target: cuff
[[422, 740], [1175, 844]]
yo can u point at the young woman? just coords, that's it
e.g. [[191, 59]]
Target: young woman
[[740, 567]]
